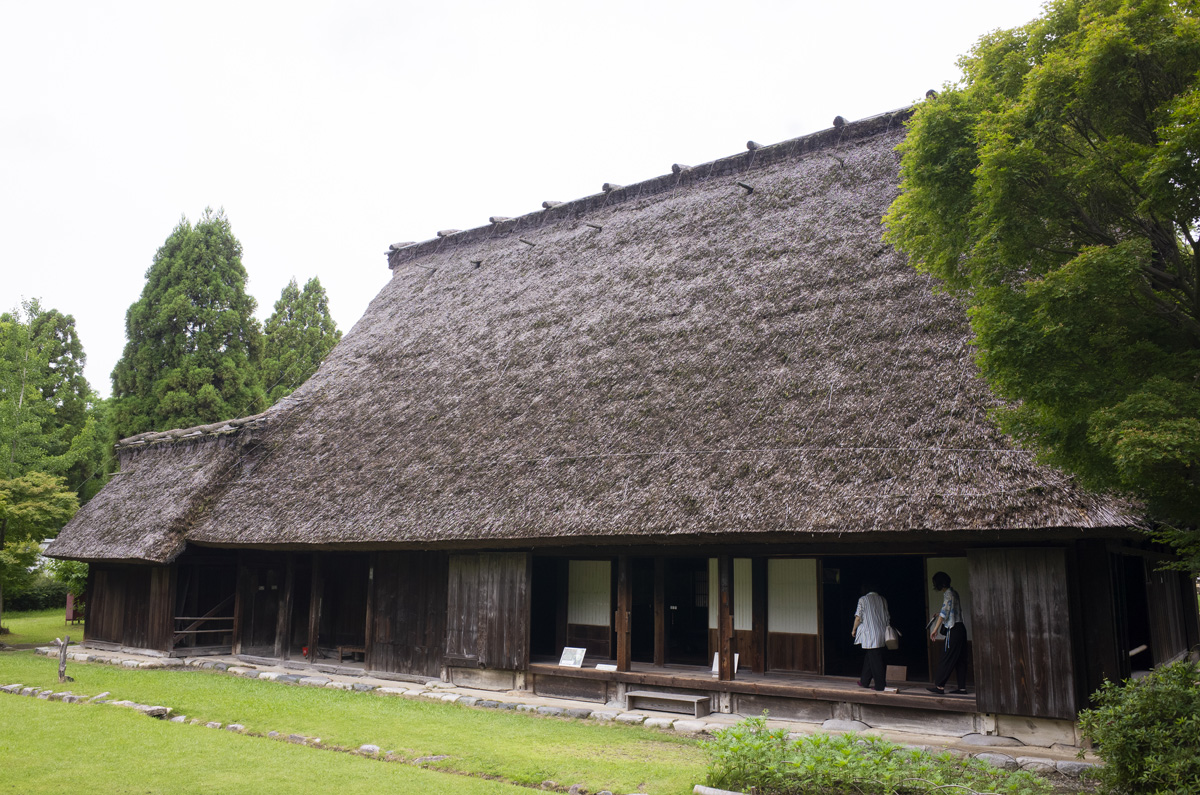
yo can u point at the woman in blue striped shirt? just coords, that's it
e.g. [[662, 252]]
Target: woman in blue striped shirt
[[870, 625]]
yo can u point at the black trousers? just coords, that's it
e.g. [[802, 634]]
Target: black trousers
[[874, 669], [955, 658]]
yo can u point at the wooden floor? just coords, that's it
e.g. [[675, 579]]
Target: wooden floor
[[791, 685]]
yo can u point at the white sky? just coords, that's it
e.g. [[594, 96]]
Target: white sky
[[329, 130]]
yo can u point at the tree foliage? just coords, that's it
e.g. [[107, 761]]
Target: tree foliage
[[50, 419], [1056, 189], [297, 337], [193, 345], [33, 506]]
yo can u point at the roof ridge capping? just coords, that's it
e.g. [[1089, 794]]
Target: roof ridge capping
[[757, 156], [219, 428]]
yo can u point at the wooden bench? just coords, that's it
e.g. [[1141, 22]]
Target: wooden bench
[[351, 650], [686, 703]]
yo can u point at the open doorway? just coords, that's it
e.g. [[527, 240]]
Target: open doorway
[[898, 578], [686, 590], [1133, 613]]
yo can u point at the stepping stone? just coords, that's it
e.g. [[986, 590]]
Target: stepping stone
[[631, 718], [577, 712], [368, 749], [550, 711], [1074, 767], [1002, 761], [690, 726], [1036, 764], [660, 723]]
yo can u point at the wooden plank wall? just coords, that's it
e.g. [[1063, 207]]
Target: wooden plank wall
[[1022, 628], [1168, 615], [131, 605], [487, 610], [787, 651], [408, 612]]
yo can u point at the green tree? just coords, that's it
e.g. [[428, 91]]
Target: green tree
[[33, 506], [1056, 189], [297, 337], [193, 345], [48, 411]]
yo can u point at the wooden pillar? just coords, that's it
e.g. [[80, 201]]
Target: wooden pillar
[[241, 603], [759, 615], [660, 611], [314, 607], [369, 629], [562, 585], [283, 621], [624, 609], [725, 670]]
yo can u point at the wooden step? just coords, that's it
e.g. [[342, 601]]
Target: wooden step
[[685, 703]]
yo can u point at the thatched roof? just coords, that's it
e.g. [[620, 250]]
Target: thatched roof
[[686, 358], [164, 481]]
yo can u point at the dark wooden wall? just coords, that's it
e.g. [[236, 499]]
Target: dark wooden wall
[[1022, 632], [487, 610], [787, 651], [130, 605], [408, 612], [1169, 615]]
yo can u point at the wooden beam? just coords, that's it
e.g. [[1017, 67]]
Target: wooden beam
[[283, 619], [660, 611], [758, 571], [369, 632], [241, 603], [314, 607], [624, 611], [725, 669], [562, 596]]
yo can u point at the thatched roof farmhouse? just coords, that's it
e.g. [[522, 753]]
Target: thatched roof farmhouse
[[716, 387]]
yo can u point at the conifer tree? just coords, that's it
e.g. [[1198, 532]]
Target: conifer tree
[[193, 345], [298, 335], [49, 415]]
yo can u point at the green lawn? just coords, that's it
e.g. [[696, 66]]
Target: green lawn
[[510, 747], [38, 627]]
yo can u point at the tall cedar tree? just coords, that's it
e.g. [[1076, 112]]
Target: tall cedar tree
[[193, 345], [297, 337], [50, 419], [1055, 188]]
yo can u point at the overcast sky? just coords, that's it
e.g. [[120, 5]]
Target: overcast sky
[[329, 130]]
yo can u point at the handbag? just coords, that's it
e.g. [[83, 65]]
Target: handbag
[[891, 637]]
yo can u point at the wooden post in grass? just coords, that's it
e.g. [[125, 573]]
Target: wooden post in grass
[[62, 659]]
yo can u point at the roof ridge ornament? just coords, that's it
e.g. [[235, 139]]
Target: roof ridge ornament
[[550, 204], [609, 187], [752, 145], [839, 121], [496, 219], [679, 167], [447, 232]]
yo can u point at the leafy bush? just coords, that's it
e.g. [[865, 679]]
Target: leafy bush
[[71, 573], [38, 593], [1147, 731], [752, 755]]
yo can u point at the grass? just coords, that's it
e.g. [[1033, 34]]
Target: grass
[[37, 627], [511, 747]]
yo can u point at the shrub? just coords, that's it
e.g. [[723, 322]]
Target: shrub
[[39, 593], [1147, 731], [752, 755]]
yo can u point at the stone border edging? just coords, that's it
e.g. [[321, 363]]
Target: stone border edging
[[437, 690]]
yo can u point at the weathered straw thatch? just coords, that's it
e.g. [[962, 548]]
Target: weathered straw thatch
[[677, 360], [164, 481]]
